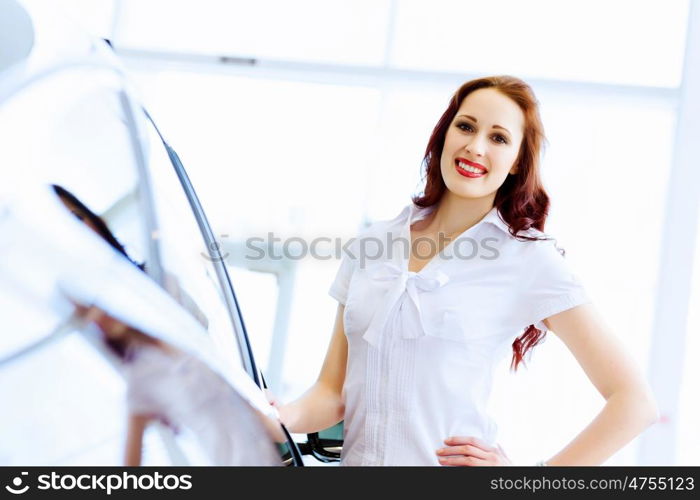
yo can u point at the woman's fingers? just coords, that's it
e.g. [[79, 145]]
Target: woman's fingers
[[470, 451], [471, 440], [464, 449]]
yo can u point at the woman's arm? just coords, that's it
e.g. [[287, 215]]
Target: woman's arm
[[134, 439], [629, 407], [322, 405]]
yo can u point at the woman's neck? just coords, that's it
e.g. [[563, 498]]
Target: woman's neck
[[454, 214]]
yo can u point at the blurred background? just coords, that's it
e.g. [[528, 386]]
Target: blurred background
[[309, 118]]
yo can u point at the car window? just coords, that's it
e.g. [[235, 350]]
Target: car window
[[189, 272]]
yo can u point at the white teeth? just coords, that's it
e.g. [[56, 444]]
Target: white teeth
[[471, 169]]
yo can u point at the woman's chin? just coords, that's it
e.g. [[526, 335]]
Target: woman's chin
[[468, 192]]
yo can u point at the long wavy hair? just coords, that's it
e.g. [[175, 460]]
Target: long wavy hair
[[521, 199]]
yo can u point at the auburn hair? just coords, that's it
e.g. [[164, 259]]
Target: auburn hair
[[521, 199]]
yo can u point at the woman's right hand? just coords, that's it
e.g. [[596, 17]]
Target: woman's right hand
[[275, 429], [322, 405], [277, 404]]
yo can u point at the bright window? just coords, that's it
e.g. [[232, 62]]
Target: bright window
[[338, 32], [621, 42]]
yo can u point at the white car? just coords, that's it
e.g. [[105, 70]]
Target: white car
[[120, 321]]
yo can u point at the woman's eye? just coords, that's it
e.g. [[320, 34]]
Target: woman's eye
[[500, 139], [465, 127]]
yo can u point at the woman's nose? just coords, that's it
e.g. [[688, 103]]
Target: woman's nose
[[476, 146]]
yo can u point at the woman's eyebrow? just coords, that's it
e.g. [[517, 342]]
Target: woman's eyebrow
[[477, 121]]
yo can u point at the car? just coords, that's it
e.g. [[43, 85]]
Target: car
[[108, 262]]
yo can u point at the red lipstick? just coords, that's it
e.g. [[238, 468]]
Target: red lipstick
[[469, 169]]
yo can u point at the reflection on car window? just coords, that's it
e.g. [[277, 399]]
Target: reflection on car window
[[168, 385], [67, 130], [98, 225], [91, 220]]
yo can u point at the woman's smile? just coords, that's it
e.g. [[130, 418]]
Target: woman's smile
[[469, 169]]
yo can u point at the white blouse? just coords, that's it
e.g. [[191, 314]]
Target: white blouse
[[422, 346]]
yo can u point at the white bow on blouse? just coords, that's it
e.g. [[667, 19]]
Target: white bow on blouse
[[410, 282]]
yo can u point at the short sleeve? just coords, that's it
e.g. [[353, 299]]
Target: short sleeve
[[553, 287], [142, 374], [341, 283], [139, 398]]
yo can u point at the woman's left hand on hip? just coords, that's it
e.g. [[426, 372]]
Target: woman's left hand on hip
[[470, 451]]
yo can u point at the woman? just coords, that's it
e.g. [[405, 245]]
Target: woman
[[416, 336]]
